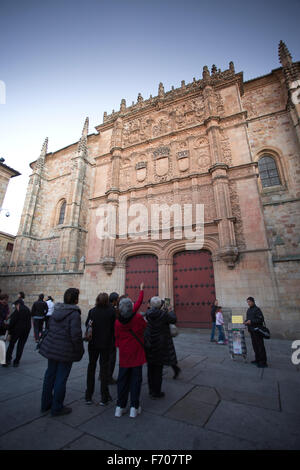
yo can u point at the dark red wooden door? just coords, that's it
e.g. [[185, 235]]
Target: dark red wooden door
[[141, 268], [194, 288]]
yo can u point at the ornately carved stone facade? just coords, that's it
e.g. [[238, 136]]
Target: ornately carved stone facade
[[231, 145]]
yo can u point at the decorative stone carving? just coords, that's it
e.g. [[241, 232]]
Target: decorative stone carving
[[108, 264], [141, 171], [183, 160], [161, 162]]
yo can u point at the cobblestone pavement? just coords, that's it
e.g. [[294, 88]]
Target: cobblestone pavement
[[216, 403]]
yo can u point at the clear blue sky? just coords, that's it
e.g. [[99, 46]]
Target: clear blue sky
[[64, 60]]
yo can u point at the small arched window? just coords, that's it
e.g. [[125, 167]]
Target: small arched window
[[268, 171], [62, 213]]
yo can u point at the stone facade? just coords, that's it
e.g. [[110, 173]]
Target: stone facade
[[202, 143]]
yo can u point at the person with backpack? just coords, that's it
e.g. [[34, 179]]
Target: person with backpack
[[129, 334], [38, 312], [62, 345], [18, 331], [102, 318]]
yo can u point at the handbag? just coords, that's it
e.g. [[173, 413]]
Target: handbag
[[173, 330], [263, 331]]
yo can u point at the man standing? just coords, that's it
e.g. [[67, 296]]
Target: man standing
[[255, 318], [38, 313]]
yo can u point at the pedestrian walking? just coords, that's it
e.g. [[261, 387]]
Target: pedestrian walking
[[220, 325], [50, 303], [102, 317], [129, 334], [213, 320], [38, 312], [18, 331], [62, 346], [159, 345], [254, 319]]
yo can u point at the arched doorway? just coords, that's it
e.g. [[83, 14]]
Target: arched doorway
[[194, 288], [141, 268]]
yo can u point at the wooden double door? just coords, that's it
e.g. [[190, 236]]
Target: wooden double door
[[193, 284]]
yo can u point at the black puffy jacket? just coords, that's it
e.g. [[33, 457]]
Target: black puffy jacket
[[159, 344], [63, 342]]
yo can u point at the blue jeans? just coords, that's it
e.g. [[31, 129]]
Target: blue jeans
[[213, 329], [129, 379], [221, 333], [54, 387]]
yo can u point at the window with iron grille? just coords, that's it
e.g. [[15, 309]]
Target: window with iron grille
[[268, 171]]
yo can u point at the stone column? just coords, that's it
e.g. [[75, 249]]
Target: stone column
[[71, 232], [109, 244], [228, 250]]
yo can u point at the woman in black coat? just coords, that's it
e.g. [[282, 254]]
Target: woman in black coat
[[62, 346], [102, 317], [159, 345], [18, 331]]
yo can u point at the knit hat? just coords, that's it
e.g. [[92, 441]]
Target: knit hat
[[155, 302], [125, 308]]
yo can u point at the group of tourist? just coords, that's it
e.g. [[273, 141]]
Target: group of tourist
[[112, 323]]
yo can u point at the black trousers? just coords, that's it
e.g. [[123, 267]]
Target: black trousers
[[155, 378], [259, 348], [21, 339], [94, 354], [129, 380], [112, 361]]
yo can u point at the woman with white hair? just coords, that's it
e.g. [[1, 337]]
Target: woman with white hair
[[159, 345]]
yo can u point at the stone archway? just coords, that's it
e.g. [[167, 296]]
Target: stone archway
[[193, 287]]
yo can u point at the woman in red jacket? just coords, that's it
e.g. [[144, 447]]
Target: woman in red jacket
[[129, 334]]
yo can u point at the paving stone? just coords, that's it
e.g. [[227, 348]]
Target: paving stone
[[45, 433], [18, 386], [289, 396], [149, 431], [270, 429], [174, 391], [87, 442], [196, 407]]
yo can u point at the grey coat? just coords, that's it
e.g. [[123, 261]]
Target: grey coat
[[63, 342]]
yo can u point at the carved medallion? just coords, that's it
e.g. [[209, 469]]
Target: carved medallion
[[183, 160], [141, 171]]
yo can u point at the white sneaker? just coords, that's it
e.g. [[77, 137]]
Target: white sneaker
[[135, 411], [119, 411], [221, 342]]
